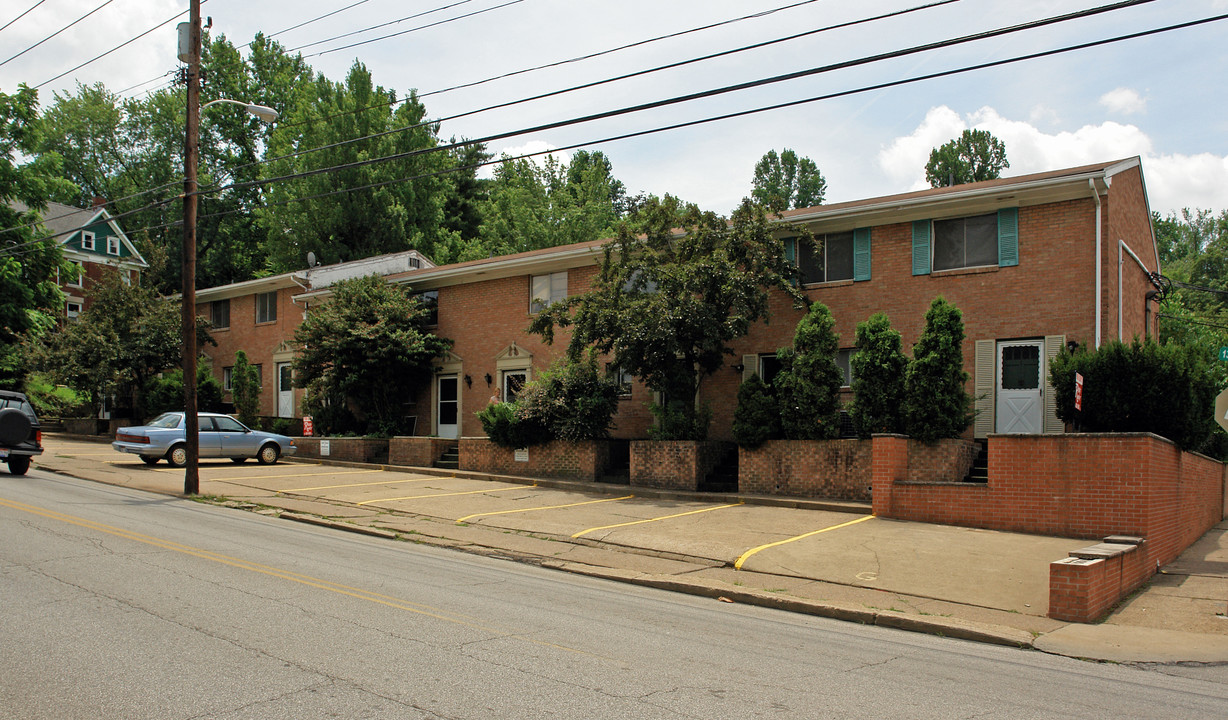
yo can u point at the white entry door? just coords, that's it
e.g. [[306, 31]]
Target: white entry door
[[285, 391], [1020, 376], [447, 405]]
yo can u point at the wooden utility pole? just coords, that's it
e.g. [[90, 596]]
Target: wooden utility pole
[[191, 476]]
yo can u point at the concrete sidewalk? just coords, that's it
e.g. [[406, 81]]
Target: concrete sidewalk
[[827, 559]]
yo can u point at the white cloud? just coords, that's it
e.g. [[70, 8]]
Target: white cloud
[[1173, 181], [1123, 101]]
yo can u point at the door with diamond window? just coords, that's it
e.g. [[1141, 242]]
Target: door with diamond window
[[1020, 387]]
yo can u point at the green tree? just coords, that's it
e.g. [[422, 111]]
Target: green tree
[[165, 392], [974, 156], [665, 304], [808, 385], [936, 403], [363, 353], [245, 389], [785, 181], [878, 369], [756, 418], [29, 294], [126, 335]]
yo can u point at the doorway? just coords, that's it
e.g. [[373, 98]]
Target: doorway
[[447, 405], [1020, 382], [285, 391]]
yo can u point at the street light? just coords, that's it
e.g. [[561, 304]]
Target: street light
[[191, 476]]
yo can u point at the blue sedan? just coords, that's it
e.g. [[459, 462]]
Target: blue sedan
[[221, 436]]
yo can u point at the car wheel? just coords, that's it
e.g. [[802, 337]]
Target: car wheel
[[14, 426], [149, 459], [268, 454], [238, 461], [19, 464], [178, 456]]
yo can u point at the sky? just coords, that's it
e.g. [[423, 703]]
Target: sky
[[1158, 97]]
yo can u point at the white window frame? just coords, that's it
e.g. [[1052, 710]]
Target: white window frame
[[72, 309], [87, 240], [504, 376], [545, 290], [112, 245]]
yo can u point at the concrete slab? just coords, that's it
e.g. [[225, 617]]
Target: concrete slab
[[1121, 643]]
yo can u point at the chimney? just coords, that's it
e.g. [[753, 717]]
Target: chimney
[[99, 201]]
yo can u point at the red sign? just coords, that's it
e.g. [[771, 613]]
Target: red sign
[[1078, 391], [308, 428]]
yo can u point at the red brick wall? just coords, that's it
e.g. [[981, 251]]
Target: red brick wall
[[348, 449], [838, 469], [577, 460], [416, 451], [673, 465]]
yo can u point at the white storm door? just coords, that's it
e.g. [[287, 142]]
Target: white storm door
[[285, 391], [1020, 378], [446, 406]]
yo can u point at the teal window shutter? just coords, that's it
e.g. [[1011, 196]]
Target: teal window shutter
[[861, 254], [921, 247], [1008, 237]]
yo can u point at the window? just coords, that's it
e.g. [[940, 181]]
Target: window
[[266, 307], [547, 289], [112, 245], [220, 314], [828, 258], [430, 301], [77, 278], [513, 383], [966, 242], [72, 310], [227, 424], [87, 240], [228, 377], [844, 360], [769, 368]]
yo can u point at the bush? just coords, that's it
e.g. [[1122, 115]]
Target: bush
[[756, 419], [808, 386], [936, 403], [245, 389], [50, 400], [165, 392], [680, 420], [570, 401], [878, 378], [506, 429], [1168, 390]]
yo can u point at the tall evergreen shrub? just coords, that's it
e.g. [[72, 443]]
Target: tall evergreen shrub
[[878, 378], [808, 386], [245, 389], [756, 419], [936, 403]]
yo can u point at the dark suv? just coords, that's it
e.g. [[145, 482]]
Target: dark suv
[[20, 436]]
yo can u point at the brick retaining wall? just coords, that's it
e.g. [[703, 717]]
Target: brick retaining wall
[[585, 460], [348, 449], [417, 451], [674, 464], [834, 469]]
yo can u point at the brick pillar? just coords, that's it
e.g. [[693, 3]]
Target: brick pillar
[[888, 464]]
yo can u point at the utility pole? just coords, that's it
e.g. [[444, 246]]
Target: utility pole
[[191, 476]]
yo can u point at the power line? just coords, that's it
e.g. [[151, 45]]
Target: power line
[[315, 19], [596, 83], [727, 116], [420, 27], [57, 32], [557, 63], [151, 80], [117, 47], [27, 12], [1192, 321], [376, 27]]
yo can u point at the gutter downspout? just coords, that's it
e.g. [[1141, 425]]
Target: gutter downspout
[[306, 288], [1099, 242]]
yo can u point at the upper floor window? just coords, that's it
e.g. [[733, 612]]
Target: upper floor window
[[219, 313], [112, 245], [967, 242], [827, 258], [87, 240], [266, 307], [77, 277], [430, 301], [547, 289]]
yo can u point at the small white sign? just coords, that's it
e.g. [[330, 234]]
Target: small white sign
[[323, 447], [521, 455]]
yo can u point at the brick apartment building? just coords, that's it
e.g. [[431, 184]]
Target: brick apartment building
[[1034, 262]]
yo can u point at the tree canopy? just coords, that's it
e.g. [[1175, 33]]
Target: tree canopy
[[666, 304], [974, 156], [786, 181]]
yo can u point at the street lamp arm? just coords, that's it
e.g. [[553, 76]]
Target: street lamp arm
[[265, 113]]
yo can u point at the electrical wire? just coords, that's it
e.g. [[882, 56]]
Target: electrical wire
[[376, 27], [151, 80], [57, 32], [314, 19], [1191, 321], [415, 29], [27, 12], [743, 113], [129, 41]]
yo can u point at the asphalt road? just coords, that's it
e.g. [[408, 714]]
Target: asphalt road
[[120, 604]]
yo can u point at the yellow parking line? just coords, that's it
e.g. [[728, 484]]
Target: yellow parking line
[[544, 507], [278, 477], [738, 565], [419, 497], [663, 517], [350, 485]]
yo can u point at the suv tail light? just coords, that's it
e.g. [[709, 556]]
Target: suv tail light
[[38, 438]]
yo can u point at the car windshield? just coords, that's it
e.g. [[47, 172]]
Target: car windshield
[[166, 420]]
